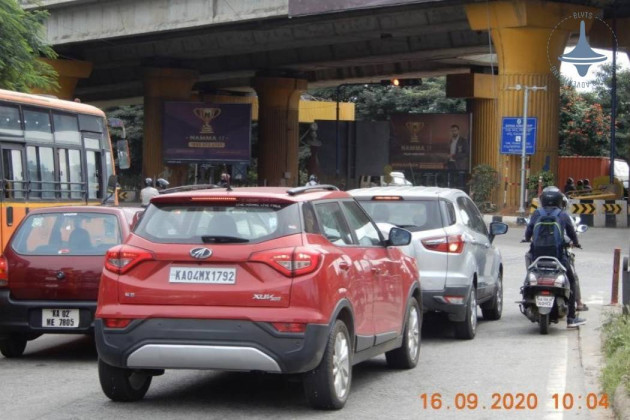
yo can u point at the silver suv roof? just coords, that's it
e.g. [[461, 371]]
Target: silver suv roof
[[408, 191]]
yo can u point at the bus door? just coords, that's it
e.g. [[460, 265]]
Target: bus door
[[14, 189], [94, 168]]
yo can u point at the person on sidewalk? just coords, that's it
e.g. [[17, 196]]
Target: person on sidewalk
[[551, 201]]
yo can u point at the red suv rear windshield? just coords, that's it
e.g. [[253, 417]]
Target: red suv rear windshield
[[73, 233], [219, 222]]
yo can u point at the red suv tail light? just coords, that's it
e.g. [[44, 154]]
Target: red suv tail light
[[289, 261], [122, 258], [453, 244], [4, 272]]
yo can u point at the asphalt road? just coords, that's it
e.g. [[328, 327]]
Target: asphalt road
[[508, 365]]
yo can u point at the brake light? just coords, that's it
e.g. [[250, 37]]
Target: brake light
[[122, 258], [452, 244], [4, 272], [289, 327], [116, 322], [289, 261], [387, 198]]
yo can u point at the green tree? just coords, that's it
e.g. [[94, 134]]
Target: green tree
[[602, 91], [22, 42], [377, 103], [584, 126]]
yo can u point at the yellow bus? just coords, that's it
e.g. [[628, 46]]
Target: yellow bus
[[54, 153]]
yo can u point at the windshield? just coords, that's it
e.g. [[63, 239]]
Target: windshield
[[218, 223], [413, 215], [67, 234]]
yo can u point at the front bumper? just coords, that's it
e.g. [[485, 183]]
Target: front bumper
[[434, 300], [24, 317], [210, 344]]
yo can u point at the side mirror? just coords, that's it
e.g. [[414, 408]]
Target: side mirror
[[124, 156], [497, 228], [399, 237], [582, 228]]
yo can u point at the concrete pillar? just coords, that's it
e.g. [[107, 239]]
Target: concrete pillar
[[278, 130], [162, 84], [69, 72], [528, 37]]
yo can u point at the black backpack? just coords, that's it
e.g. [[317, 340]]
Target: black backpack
[[548, 236]]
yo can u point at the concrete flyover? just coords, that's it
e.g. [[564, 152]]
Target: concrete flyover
[[155, 50]]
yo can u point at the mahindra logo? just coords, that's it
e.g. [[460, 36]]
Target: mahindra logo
[[200, 253]]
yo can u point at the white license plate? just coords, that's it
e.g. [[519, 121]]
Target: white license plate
[[202, 275], [60, 318], [545, 301]]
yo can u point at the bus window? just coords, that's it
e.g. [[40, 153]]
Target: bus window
[[70, 175], [13, 173], [91, 123], [10, 123], [93, 160], [41, 171], [37, 125], [66, 129]]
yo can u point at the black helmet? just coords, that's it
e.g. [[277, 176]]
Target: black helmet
[[570, 181], [551, 197], [148, 182]]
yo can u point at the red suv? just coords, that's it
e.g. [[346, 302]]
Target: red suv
[[256, 279], [50, 271]]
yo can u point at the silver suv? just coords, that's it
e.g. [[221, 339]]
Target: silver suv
[[459, 266]]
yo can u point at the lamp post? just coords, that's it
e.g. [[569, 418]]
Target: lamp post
[[526, 90]]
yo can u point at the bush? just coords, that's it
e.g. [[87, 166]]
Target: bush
[[532, 183], [617, 353], [483, 181]]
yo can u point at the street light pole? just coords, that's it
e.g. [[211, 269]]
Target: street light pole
[[526, 90]]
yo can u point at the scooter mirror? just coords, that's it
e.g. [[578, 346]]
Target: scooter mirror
[[582, 228]]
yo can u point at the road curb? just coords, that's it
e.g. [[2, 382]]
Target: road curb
[[621, 402]]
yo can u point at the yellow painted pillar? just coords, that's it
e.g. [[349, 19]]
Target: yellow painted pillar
[[69, 72], [278, 130], [528, 37], [162, 84]]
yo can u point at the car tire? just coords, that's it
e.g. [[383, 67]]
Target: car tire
[[123, 385], [407, 355], [466, 329], [328, 385], [13, 346], [492, 310]]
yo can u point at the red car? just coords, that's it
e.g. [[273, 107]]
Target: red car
[[256, 279], [50, 271]]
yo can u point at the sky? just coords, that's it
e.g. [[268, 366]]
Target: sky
[[569, 70]]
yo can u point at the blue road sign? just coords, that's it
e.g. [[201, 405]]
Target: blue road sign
[[512, 132]]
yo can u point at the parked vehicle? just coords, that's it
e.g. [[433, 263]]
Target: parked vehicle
[[50, 270], [397, 178], [291, 281], [459, 266]]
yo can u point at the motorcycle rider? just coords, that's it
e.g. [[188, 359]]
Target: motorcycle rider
[[551, 199], [148, 192], [312, 180]]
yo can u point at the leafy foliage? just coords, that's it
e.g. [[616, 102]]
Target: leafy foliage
[[483, 181], [532, 182], [22, 42], [617, 352], [584, 127], [377, 103]]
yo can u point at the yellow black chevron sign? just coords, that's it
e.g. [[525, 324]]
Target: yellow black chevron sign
[[122, 195], [612, 208], [583, 208]]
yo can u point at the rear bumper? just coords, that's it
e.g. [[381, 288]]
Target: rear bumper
[[210, 344], [25, 316], [434, 300]]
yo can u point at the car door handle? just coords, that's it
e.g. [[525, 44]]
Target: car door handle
[[344, 266]]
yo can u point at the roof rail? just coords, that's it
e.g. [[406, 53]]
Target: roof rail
[[300, 190], [192, 187]]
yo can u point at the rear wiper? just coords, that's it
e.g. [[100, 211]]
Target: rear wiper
[[222, 239]]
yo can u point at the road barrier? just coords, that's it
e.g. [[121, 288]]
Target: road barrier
[[597, 213], [614, 297]]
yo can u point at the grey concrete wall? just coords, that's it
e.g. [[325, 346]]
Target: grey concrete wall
[[79, 20]]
